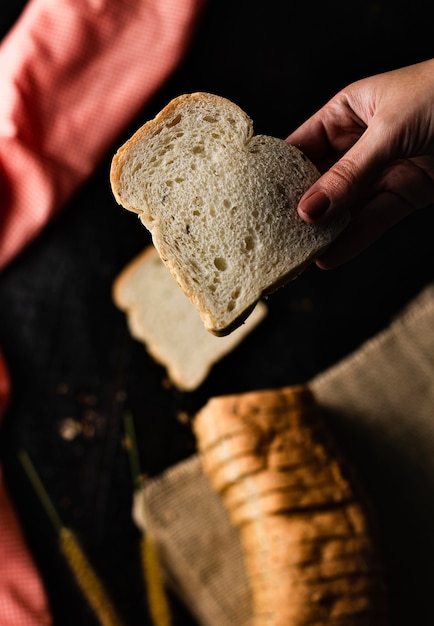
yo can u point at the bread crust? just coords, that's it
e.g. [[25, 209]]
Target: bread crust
[[309, 545], [220, 203]]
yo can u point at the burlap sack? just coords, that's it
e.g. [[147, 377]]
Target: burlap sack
[[379, 401]]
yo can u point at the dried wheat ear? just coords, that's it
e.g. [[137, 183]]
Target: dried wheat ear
[[310, 550]]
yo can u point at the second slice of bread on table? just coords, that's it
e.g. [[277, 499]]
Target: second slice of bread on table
[[161, 317]]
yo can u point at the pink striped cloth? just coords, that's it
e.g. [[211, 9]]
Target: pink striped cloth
[[73, 74], [22, 597]]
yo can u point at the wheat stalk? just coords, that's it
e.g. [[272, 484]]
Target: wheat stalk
[[157, 600], [87, 579], [158, 604], [69, 545]]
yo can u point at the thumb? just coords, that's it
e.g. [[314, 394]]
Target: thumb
[[348, 182]]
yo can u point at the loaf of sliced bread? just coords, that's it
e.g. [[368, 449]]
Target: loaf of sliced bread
[[221, 204], [308, 539], [164, 320]]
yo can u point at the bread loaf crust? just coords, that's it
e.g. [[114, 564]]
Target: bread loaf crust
[[309, 543]]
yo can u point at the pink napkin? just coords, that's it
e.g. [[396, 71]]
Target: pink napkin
[[73, 74], [22, 597]]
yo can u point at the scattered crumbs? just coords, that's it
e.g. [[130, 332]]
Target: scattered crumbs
[[69, 428], [89, 424], [183, 417]]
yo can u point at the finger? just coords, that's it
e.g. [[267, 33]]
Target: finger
[[411, 179], [406, 186], [366, 227], [330, 132], [350, 180], [312, 139]]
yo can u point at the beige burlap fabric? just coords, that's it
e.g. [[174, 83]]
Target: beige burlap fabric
[[379, 401], [199, 548]]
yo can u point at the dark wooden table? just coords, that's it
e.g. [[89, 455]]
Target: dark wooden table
[[76, 371]]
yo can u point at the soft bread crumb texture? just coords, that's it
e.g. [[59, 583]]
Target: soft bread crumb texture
[[220, 203]]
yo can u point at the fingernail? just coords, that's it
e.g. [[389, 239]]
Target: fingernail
[[315, 206]]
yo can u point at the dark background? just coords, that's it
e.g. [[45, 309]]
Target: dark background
[[70, 356]]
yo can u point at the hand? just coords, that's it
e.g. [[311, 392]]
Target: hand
[[374, 145]]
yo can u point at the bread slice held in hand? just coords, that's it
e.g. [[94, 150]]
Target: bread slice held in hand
[[221, 205]]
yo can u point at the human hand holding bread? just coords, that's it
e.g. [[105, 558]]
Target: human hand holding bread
[[374, 144], [221, 203]]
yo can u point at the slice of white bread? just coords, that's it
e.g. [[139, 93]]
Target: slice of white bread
[[220, 203], [164, 320]]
